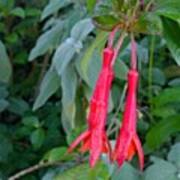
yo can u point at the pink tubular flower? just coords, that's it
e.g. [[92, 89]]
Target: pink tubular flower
[[128, 142], [94, 139]]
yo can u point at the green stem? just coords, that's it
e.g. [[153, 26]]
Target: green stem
[[110, 129], [151, 62], [149, 5]]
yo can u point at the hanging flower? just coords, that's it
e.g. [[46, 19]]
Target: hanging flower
[[128, 142], [95, 139]]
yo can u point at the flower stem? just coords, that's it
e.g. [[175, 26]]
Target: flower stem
[[151, 62], [110, 129], [118, 46], [134, 53]]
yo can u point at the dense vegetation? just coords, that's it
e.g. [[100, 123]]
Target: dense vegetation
[[50, 56]]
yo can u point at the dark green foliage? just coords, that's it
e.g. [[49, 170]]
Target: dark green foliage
[[50, 54]]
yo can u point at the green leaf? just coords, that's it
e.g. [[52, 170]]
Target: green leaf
[[19, 12], [3, 104], [47, 41], [94, 68], [100, 171], [106, 16], [171, 34], [168, 8], [81, 29], [3, 92], [174, 155], [161, 170], [126, 172], [164, 111], [162, 131], [105, 22], [158, 76], [6, 6], [49, 86], [64, 55], [73, 44], [90, 5], [121, 69], [83, 171], [169, 95], [56, 154], [5, 148], [31, 121], [5, 65], [148, 23], [18, 106], [69, 85], [88, 56], [175, 82], [53, 7], [32, 12], [37, 138], [77, 173]]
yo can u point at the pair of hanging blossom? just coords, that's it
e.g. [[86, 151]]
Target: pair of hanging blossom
[[94, 138]]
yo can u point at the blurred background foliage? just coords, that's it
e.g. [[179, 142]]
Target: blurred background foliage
[[50, 55]]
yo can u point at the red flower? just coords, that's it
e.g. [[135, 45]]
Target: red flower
[[95, 139], [128, 142]]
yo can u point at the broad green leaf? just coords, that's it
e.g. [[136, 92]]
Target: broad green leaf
[[77, 173], [37, 138], [47, 41], [106, 16], [64, 55], [6, 149], [148, 23], [127, 172], [18, 106], [121, 69], [88, 56], [105, 22], [73, 44], [168, 8], [100, 171], [143, 51], [81, 29], [53, 7], [174, 155], [5, 65], [19, 12], [118, 5], [161, 170], [56, 154], [6, 6], [32, 12], [90, 5], [164, 111], [69, 85], [162, 131], [3, 91], [169, 95], [175, 82], [49, 86], [158, 76], [83, 171], [3, 104], [31, 121], [171, 34], [94, 68]]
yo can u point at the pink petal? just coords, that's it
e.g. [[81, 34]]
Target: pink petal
[[78, 140], [139, 151]]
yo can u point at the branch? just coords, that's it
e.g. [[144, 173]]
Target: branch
[[33, 168]]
